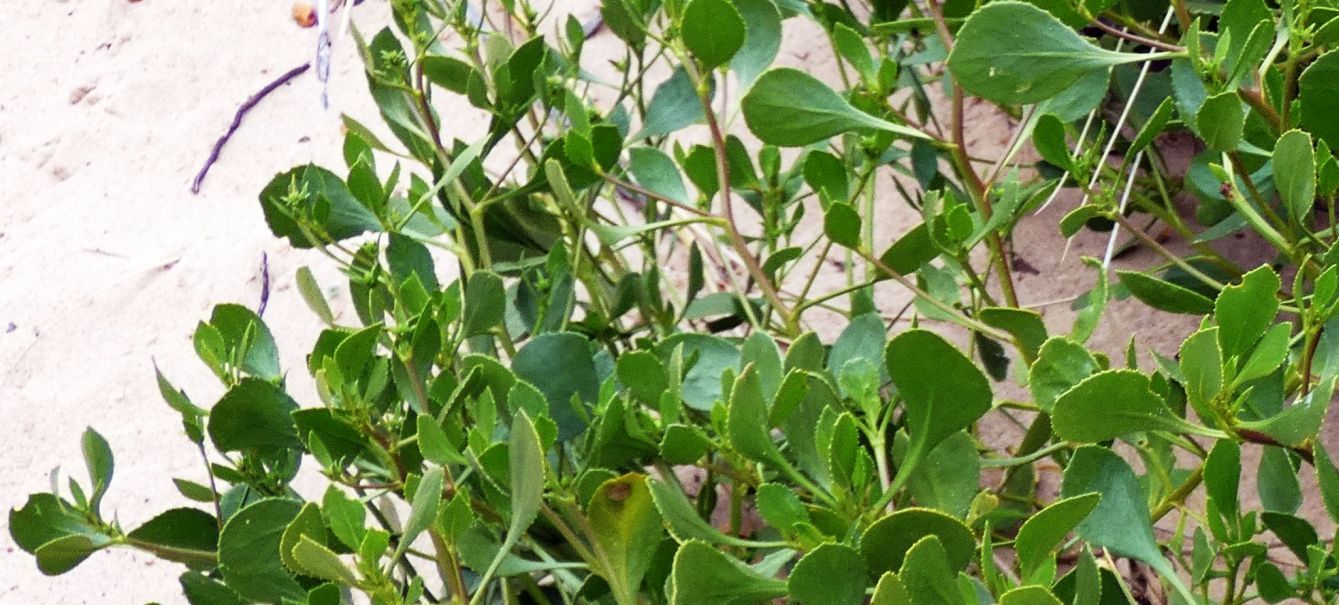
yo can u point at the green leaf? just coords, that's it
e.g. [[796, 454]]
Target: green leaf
[[254, 415], [426, 502], [702, 574], [65, 553], [674, 105], [1120, 521], [841, 224], [683, 444], [311, 193], [702, 382], [1045, 531], [1222, 477], [1048, 137], [1315, 92], [790, 108], [311, 294], [45, 518], [183, 535], [249, 551], [1029, 595], [928, 575], [762, 41], [655, 171], [561, 366], [1165, 295], [713, 31], [1273, 585], [1152, 127], [626, 525], [526, 476], [345, 516], [1298, 422], [433, 442], [1327, 476], [831, 574], [889, 539], [890, 591], [321, 562], [1111, 404], [746, 420], [1221, 121], [1202, 370], [1276, 481], [1244, 311], [940, 403], [1061, 364], [1295, 174], [950, 477], [100, 463], [308, 522], [1269, 353], [1015, 53], [683, 521], [485, 303]]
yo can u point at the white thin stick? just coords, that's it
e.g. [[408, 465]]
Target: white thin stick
[[1134, 166]]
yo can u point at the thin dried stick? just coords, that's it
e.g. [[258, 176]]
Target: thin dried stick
[[237, 122]]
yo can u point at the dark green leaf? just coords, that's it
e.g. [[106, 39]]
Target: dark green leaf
[[713, 31], [831, 574], [790, 108]]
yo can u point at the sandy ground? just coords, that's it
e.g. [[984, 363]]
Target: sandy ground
[[107, 261]]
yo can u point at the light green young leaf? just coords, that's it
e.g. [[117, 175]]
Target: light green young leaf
[[311, 294], [790, 108], [1295, 174], [321, 562], [713, 31], [423, 507], [703, 574], [1015, 53], [526, 475]]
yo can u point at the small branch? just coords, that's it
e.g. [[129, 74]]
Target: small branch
[[237, 122]]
